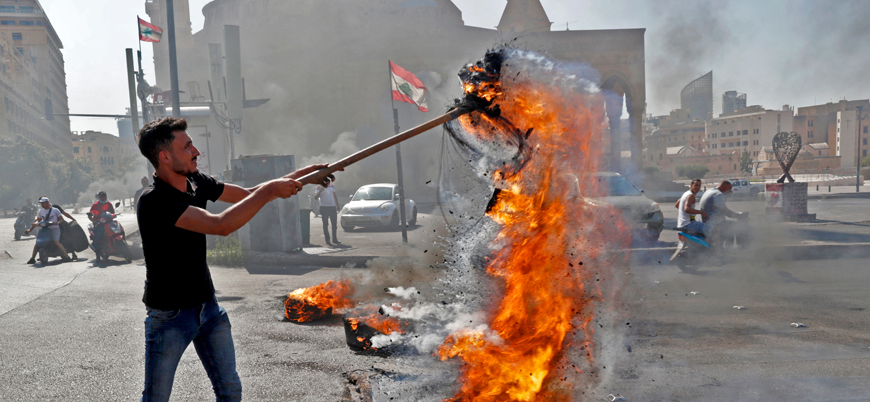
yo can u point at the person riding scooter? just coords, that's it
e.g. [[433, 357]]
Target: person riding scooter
[[102, 205], [713, 203], [53, 217]]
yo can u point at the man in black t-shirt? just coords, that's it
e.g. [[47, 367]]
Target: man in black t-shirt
[[179, 293]]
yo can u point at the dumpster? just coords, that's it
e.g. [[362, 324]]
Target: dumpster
[[305, 223]]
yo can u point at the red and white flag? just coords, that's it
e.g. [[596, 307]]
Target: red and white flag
[[408, 88], [149, 32]]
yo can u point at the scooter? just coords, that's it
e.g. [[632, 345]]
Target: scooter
[[693, 249], [114, 240], [45, 245], [315, 205], [21, 225]]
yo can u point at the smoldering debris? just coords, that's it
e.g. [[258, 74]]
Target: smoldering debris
[[798, 325]]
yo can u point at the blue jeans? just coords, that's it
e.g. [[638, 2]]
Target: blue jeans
[[167, 335]]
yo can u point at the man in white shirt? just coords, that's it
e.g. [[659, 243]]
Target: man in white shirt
[[687, 211], [53, 217], [328, 210]]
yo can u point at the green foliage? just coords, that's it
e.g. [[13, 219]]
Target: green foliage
[[28, 170], [692, 171], [227, 252], [746, 162], [865, 161]]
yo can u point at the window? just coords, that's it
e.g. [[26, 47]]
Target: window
[[7, 9], [730, 133], [745, 143], [865, 129], [7, 22], [26, 23], [865, 152], [38, 22], [89, 149], [745, 132], [26, 9], [810, 123], [20, 50], [105, 150], [17, 36], [865, 141], [75, 150], [810, 134], [730, 144]]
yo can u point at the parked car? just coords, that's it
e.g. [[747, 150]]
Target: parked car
[[642, 213], [376, 205], [743, 188]]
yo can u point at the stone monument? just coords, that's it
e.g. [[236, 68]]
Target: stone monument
[[787, 199]]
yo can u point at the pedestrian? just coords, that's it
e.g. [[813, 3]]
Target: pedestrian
[[328, 209], [179, 293], [145, 184]]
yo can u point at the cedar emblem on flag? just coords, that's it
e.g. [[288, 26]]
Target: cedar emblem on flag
[[408, 88], [149, 32]]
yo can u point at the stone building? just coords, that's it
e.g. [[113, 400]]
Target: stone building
[[733, 101], [323, 67], [105, 152], [748, 129], [32, 77], [837, 125]]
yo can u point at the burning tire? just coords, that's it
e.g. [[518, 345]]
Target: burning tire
[[359, 336], [298, 311]]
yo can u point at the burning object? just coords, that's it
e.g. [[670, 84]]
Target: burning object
[[318, 302], [547, 259], [798, 325], [359, 331]]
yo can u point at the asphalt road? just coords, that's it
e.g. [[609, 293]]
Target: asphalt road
[[73, 331]]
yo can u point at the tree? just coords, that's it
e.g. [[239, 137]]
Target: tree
[[692, 171], [865, 161], [27, 170], [746, 162]]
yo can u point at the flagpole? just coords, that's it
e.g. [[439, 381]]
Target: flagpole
[[398, 158]]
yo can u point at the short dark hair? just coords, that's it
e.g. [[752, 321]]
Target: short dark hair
[[696, 180], [724, 182], [158, 135]]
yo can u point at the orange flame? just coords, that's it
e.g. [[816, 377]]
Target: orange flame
[[316, 302], [548, 230]]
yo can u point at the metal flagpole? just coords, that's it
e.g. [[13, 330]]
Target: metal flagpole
[[173, 61], [140, 80], [398, 159]]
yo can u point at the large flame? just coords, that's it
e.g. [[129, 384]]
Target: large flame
[[309, 304], [547, 248]]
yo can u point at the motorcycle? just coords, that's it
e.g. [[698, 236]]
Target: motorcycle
[[45, 245], [694, 248], [21, 225], [114, 239]]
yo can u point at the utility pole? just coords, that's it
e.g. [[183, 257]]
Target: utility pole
[[131, 84], [858, 150], [173, 61]]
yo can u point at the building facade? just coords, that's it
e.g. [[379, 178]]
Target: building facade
[[733, 101], [32, 77], [748, 129], [105, 152], [697, 97], [837, 124]]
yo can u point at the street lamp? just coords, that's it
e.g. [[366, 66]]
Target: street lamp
[[858, 152]]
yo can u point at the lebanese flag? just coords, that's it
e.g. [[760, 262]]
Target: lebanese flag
[[149, 32], [408, 88]]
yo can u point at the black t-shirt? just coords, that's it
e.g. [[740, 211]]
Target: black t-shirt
[[177, 275]]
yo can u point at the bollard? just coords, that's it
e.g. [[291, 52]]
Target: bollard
[[817, 187], [829, 189], [305, 225]]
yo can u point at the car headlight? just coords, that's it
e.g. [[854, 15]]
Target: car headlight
[[657, 215], [385, 207], [344, 209], [655, 206]]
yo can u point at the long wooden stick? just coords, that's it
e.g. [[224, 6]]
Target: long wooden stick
[[318, 176]]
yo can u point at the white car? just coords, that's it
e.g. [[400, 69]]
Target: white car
[[376, 205]]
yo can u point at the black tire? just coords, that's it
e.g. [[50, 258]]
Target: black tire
[[347, 228], [125, 251], [394, 221], [413, 221], [43, 257], [17, 234]]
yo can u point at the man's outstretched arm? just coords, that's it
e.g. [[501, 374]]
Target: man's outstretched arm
[[233, 193], [201, 221]]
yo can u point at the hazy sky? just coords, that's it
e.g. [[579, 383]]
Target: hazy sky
[[776, 51]]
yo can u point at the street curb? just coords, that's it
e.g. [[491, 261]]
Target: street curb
[[790, 252], [825, 196], [305, 259]]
